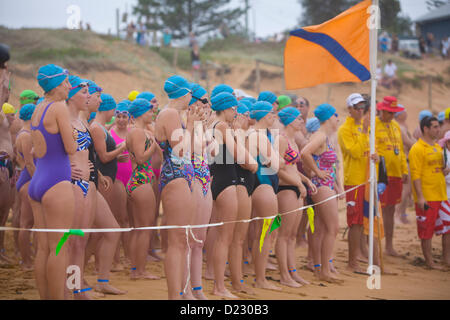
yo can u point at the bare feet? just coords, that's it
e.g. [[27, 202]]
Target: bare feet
[[310, 266], [209, 275], [117, 267], [143, 276], [199, 295], [188, 295], [153, 256], [223, 293], [391, 252], [355, 268], [271, 266], [290, 283], [363, 259], [299, 279], [333, 269], [266, 285], [329, 278], [247, 269], [404, 218], [243, 288], [108, 289], [27, 268], [433, 266]]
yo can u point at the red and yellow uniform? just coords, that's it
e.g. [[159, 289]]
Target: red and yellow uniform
[[390, 146], [355, 152], [426, 163]]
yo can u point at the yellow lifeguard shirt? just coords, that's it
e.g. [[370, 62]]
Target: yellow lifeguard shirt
[[355, 151], [389, 144], [426, 163]]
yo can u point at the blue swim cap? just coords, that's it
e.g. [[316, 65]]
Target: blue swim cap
[[26, 111], [260, 109], [249, 99], [40, 100], [93, 87], [441, 116], [287, 115], [145, 95], [424, 113], [197, 92], [221, 88], [312, 124], [246, 103], [268, 96], [123, 105], [92, 116], [324, 112], [176, 87], [77, 85], [223, 101], [50, 76], [139, 106], [108, 102], [242, 108]]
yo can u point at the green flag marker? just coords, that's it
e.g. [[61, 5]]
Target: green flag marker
[[72, 232], [276, 223]]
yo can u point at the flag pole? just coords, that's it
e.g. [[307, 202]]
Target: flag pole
[[373, 38]]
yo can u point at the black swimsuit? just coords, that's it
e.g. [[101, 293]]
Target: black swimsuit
[[223, 170], [109, 169]]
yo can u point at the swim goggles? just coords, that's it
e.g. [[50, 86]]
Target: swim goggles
[[65, 72]]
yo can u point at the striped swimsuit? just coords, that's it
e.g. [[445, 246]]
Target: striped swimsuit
[[326, 162]]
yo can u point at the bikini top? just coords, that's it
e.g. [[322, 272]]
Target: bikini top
[[291, 156], [84, 139]]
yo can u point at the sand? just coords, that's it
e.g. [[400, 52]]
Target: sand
[[413, 281]]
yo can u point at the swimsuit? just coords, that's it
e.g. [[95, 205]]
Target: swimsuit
[[291, 157], [174, 167], [6, 164], [245, 178], [53, 167], [124, 169], [109, 169], [223, 170], [84, 141], [93, 159], [142, 174], [269, 176], [201, 172], [326, 162], [24, 176]]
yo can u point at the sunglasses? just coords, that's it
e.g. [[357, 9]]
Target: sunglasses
[[202, 100], [125, 113], [65, 72]]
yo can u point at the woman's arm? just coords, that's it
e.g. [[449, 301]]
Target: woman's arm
[[65, 127], [27, 146], [316, 142], [98, 135]]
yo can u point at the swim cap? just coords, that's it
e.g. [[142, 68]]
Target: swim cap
[[28, 96], [312, 124], [260, 109], [249, 99], [144, 95], [197, 92], [447, 113], [123, 106], [287, 115], [138, 107], [77, 85], [111, 121], [246, 103], [133, 95], [93, 87], [50, 76], [268, 96], [223, 101], [221, 88], [283, 101], [324, 112], [108, 102], [92, 116], [8, 109], [40, 100], [26, 111], [441, 116], [176, 87], [242, 108], [424, 113]]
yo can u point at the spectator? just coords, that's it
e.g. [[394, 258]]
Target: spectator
[[390, 74], [430, 40], [195, 57]]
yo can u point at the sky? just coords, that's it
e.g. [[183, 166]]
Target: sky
[[267, 17]]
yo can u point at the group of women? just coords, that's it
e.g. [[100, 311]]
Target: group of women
[[207, 159]]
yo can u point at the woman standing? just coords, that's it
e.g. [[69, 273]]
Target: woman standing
[[24, 146], [50, 190], [176, 179], [320, 157], [291, 193], [141, 145]]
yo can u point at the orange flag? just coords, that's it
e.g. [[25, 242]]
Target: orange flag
[[337, 50]]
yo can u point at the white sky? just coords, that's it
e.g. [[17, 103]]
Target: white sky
[[271, 16]]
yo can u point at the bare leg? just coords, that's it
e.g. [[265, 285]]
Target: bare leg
[[301, 235], [354, 242], [26, 222], [388, 221], [211, 235]]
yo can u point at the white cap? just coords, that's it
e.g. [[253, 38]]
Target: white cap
[[239, 93], [354, 99]]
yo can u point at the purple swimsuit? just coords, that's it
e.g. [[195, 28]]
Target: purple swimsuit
[[53, 167]]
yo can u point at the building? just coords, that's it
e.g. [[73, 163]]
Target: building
[[436, 22]]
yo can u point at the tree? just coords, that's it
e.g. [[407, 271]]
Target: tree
[[183, 17]]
